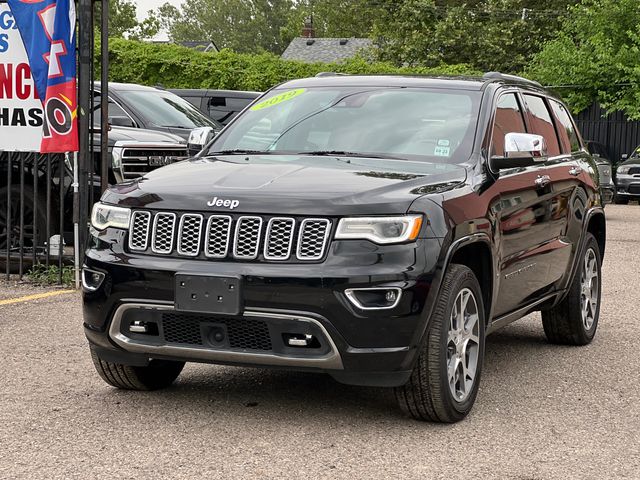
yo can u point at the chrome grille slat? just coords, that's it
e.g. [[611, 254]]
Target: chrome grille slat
[[279, 238], [217, 237], [164, 225], [312, 239], [243, 237], [189, 234], [246, 242], [139, 231]]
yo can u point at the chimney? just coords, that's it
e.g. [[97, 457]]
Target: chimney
[[308, 31]]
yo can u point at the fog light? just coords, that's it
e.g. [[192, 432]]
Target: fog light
[[91, 279], [376, 298]]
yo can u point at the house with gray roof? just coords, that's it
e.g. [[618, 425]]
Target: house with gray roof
[[325, 50]]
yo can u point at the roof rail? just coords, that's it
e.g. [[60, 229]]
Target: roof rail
[[505, 76], [330, 74]]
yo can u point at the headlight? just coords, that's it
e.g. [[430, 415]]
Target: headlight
[[104, 216], [623, 170], [380, 229]]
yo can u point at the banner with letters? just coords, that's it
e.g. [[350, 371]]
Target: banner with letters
[[20, 108], [43, 31]]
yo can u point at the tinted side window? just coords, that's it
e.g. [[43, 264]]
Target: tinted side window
[[541, 123], [114, 111], [508, 120], [568, 136]]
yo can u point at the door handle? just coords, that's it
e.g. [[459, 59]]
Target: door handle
[[575, 171], [542, 180]]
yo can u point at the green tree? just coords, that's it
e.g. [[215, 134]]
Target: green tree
[[334, 18], [596, 56], [123, 21], [241, 25], [488, 34]]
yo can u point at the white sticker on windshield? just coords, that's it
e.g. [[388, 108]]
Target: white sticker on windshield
[[443, 143], [442, 151]]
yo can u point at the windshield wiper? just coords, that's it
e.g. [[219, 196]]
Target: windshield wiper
[[240, 151], [343, 153]]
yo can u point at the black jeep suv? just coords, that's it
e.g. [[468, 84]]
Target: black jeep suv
[[375, 228]]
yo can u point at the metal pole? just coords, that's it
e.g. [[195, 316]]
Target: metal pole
[[104, 97], [76, 225], [9, 170], [85, 55]]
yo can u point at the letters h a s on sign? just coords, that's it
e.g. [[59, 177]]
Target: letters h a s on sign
[[47, 29]]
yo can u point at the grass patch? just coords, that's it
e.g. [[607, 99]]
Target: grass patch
[[43, 275]]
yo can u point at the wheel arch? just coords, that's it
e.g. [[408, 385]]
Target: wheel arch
[[597, 226], [476, 254]]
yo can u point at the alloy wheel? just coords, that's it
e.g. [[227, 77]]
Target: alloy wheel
[[589, 289], [463, 345]]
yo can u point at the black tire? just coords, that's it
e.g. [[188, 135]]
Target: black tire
[[29, 203], [158, 374], [427, 395], [564, 323], [620, 200]]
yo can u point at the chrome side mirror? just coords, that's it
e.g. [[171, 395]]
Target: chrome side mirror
[[198, 138], [521, 150]]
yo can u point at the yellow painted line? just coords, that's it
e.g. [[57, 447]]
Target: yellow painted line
[[36, 296]]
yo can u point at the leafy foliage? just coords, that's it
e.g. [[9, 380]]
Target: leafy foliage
[[241, 25], [488, 34], [124, 23], [42, 275], [173, 66], [596, 57]]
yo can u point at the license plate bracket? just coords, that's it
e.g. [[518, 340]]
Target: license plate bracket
[[208, 294]]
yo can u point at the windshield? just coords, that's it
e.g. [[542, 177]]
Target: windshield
[[434, 125], [166, 109]]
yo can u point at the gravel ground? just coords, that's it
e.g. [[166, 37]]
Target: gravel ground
[[543, 411]]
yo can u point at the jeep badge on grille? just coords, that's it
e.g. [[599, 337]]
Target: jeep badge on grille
[[219, 202]]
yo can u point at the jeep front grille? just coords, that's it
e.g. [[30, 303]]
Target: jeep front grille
[[241, 237]]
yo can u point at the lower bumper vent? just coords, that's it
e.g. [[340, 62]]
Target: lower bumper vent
[[191, 329]]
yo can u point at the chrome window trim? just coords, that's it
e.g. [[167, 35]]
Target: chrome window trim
[[180, 235], [324, 241], [331, 360], [350, 294], [258, 237], [134, 214], [267, 238], [155, 231], [229, 239]]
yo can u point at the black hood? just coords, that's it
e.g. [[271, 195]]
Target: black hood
[[295, 185]]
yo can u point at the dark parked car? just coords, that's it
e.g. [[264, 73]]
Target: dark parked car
[[605, 169], [138, 106], [138, 143], [375, 228], [628, 178], [220, 105]]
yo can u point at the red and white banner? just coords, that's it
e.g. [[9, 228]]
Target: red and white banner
[[21, 119], [45, 31]]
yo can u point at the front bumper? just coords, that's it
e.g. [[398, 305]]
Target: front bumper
[[607, 192], [356, 346], [628, 186]]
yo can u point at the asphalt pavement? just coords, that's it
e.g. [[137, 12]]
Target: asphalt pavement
[[543, 411]]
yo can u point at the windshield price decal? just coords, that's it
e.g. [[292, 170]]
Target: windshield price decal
[[283, 97]]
